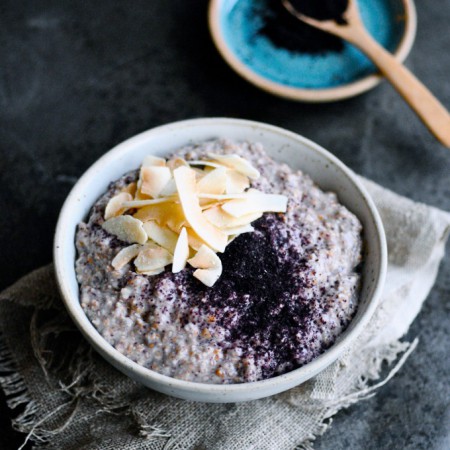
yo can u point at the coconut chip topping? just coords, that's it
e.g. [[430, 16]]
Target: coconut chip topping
[[185, 212]]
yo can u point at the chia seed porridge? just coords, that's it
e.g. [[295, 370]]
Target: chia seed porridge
[[287, 290]]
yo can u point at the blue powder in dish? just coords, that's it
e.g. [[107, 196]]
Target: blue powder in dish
[[241, 22]]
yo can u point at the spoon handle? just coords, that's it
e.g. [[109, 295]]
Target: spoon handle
[[422, 101]]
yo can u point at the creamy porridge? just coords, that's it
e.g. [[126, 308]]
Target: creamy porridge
[[285, 292]]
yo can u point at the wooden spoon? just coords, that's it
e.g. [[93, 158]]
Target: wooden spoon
[[422, 101]]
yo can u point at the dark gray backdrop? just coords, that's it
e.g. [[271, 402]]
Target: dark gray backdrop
[[78, 77]]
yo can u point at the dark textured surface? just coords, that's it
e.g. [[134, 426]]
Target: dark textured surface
[[77, 77]]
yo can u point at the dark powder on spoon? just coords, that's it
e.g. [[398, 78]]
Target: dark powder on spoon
[[286, 31]]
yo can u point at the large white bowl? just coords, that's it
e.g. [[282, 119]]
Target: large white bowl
[[282, 145]]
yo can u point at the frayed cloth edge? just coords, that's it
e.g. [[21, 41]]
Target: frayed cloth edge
[[17, 394], [364, 392]]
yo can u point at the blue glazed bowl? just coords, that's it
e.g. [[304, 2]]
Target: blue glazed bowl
[[327, 76]]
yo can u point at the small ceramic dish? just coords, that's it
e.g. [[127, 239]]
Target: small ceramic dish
[[235, 28], [300, 153]]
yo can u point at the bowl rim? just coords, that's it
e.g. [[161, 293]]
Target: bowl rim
[[322, 95], [94, 337]]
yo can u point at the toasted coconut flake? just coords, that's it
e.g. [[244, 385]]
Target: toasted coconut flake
[[238, 230], [256, 203], [205, 258], [154, 180], [170, 197], [236, 182], [219, 218], [194, 239], [170, 214], [161, 235], [208, 265], [208, 276], [152, 257], [116, 205], [213, 182], [170, 189], [222, 197], [185, 181], [199, 173], [181, 253], [151, 272], [153, 201], [125, 256], [174, 163], [208, 204], [237, 163], [130, 188], [153, 161], [138, 196], [127, 229]]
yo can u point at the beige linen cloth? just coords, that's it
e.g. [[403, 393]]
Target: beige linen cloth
[[67, 397]]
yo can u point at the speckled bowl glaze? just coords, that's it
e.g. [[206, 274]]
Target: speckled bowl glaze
[[326, 170], [325, 77]]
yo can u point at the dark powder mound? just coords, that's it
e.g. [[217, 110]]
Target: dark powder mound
[[273, 312], [286, 31], [322, 9]]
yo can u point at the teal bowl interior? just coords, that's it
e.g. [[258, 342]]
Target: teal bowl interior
[[241, 20]]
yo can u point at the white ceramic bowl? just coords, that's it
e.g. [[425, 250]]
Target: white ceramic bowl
[[282, 145]]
